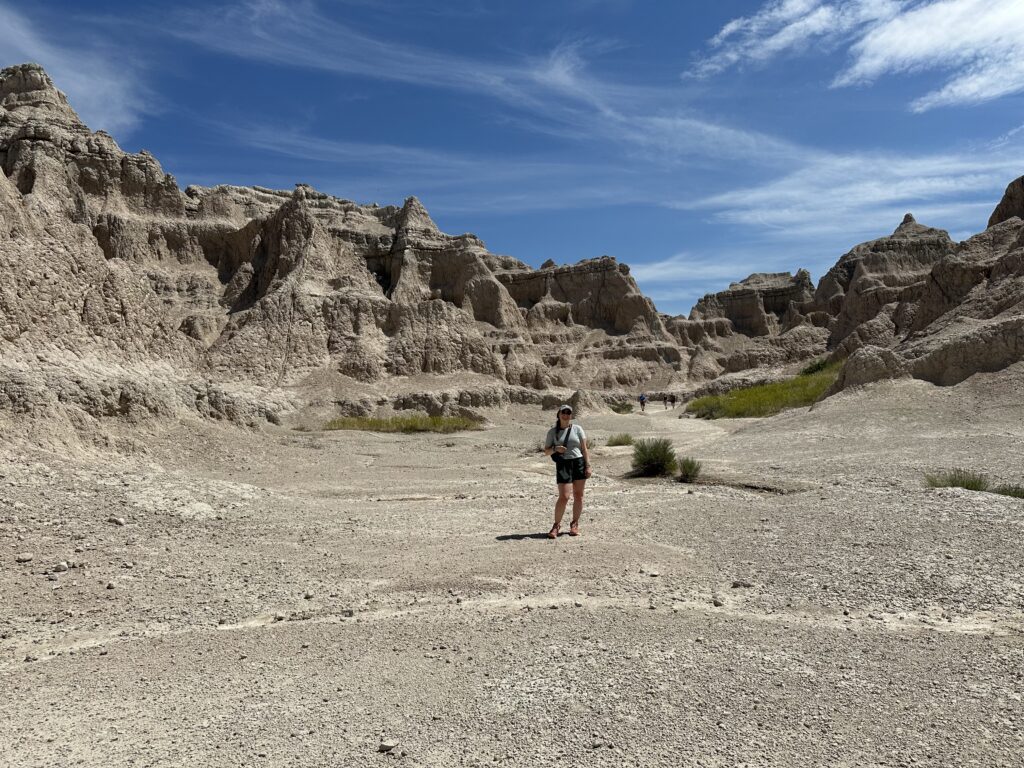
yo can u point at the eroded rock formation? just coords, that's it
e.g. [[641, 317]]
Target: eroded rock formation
[[127, 297]]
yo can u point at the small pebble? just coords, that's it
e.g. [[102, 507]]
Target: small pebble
[[387, 745], [24, 557], [116, 520], [60, 567], [110, 585]]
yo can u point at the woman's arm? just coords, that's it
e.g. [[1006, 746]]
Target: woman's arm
[[586, 455]]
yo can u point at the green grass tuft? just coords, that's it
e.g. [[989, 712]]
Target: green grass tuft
[[815, 366], [417, 422], [958, 478], [766, 399], [689, 469], [1016, 491], [621, 439], [622, 408], [971, 481], [654, 457]]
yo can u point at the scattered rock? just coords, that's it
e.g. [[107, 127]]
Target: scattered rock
[[386, 745], [741, 584], [117, 520], [24, 557], [60, 567]]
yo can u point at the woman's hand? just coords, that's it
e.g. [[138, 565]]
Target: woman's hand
[[560, 448], [588, 471]]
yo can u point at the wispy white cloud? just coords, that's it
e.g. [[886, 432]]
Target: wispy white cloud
[[101, 84], [694, 267], [786, 26], [554, 93], [856, 195], [676, 283], [447, 181], [980, 43]]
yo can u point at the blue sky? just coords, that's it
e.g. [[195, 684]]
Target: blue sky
[[697, 141]]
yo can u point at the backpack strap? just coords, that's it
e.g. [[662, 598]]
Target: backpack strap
[[568, 432]]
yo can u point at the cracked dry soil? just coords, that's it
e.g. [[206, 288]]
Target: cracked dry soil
[[308, 599]]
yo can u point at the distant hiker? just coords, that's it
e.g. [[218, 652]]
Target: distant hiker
[[643, 402], [672, 399], [566, 444], [664, 399]]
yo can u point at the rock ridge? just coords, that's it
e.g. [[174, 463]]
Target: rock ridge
[[258, 291]]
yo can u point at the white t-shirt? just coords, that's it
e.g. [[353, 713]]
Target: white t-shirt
[[572, 447]]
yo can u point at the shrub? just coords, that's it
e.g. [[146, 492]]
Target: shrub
[[622, 439], [653, 457], [766, 399], [689, 469], [416, 422], [622, 408], [958, 478], [1017, 491], [815, 367]]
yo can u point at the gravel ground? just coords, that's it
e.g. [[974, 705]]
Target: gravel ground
[[287, 598]]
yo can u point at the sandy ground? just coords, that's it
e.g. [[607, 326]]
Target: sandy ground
[[298, 599]]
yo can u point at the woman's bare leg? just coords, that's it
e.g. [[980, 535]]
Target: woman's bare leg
[[577, 499], [563, 500]]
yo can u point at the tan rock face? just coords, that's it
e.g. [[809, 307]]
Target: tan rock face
[[1011, 205], [232, 293]]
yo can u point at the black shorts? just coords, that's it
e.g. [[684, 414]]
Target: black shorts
[[570, 470]]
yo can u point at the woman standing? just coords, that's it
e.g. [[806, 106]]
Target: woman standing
[[567, 443]]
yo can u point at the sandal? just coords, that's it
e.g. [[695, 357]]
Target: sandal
[[553, 533], [574, 528]]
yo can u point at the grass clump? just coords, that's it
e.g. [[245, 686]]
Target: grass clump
[[971, 481], [766, 399], [416, 422], [815, 366], [958, 478], [689, 469], [622, 408], [653, 457], [621, 439], [1016, 491]]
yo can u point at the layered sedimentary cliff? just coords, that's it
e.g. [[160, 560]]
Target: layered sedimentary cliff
[[125, 296]]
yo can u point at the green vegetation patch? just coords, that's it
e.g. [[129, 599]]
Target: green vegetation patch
[[971, 481], [622, 408], [689, 469], [620, 439], [654, 457], [1017, 491], [815, 367], [767, 399], [416, 422], [958, 478]]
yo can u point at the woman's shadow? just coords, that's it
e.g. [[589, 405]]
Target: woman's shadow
[[520, 536]]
